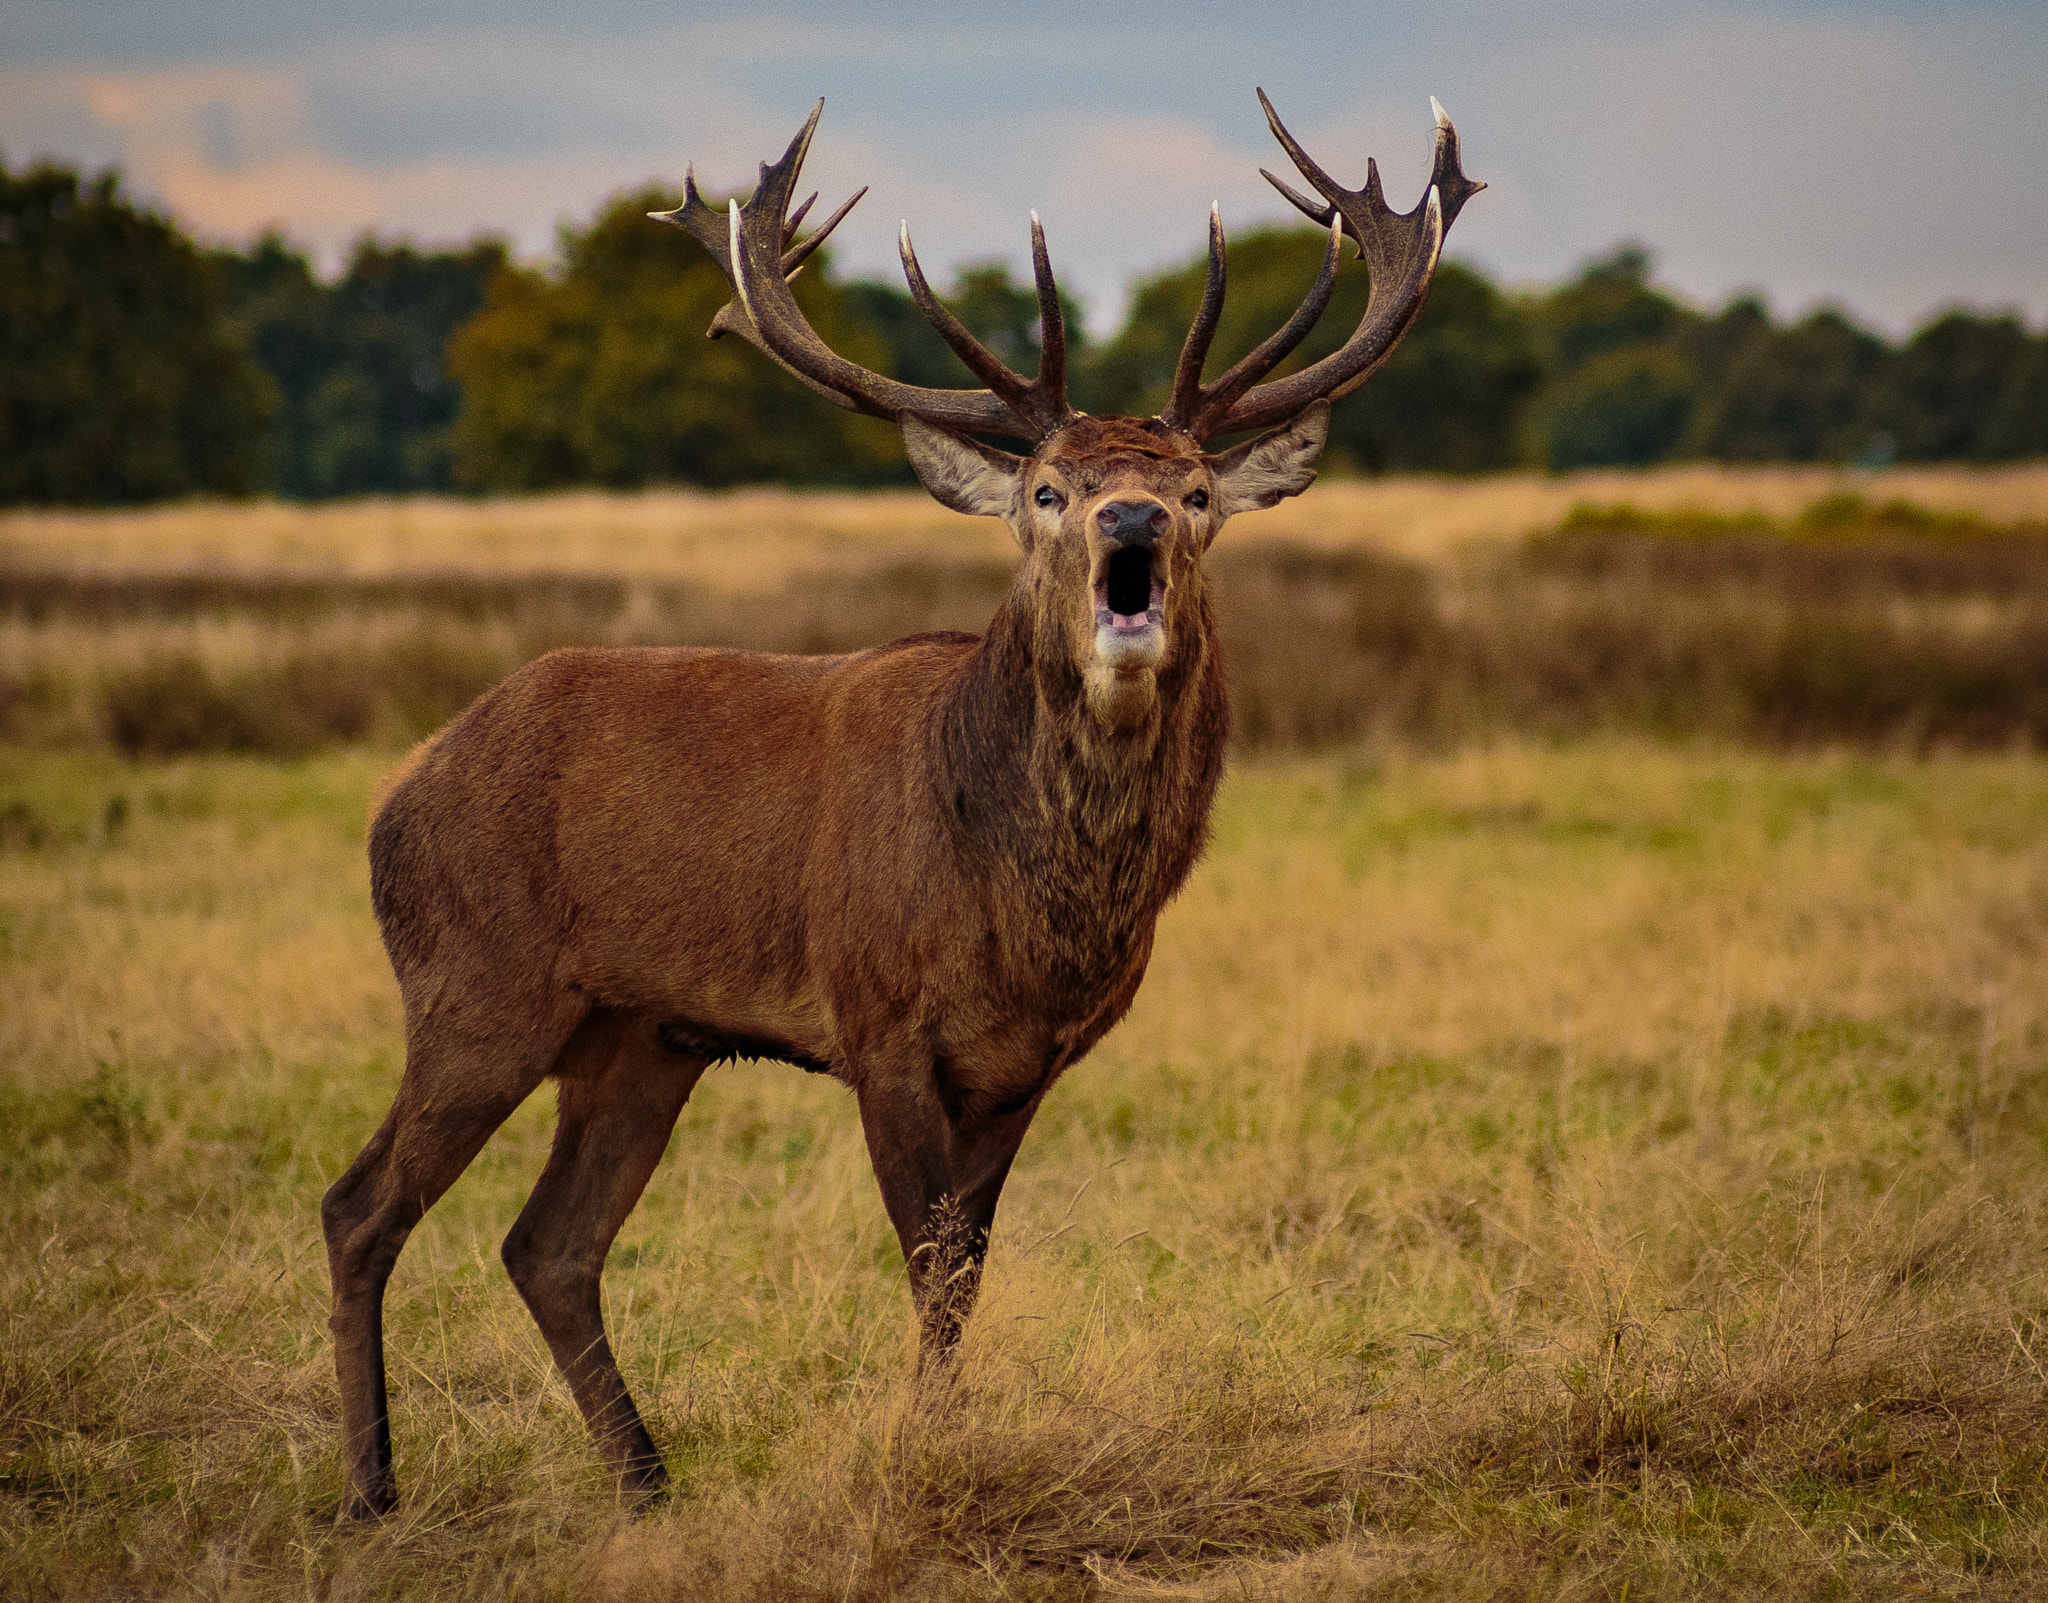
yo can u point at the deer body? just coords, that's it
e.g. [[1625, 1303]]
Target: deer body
[[845, 863], [931, 870]]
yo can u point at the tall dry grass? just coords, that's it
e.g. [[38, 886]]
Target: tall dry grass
[[1679, 627], [758, 540], [1525, 1172]]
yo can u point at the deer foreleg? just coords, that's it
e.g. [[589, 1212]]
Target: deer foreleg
[[940, 1180]]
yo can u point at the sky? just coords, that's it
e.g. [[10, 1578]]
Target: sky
[[1888, 158]]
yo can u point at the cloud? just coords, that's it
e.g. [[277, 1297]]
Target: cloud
[[1889, 159], [1824, 158]]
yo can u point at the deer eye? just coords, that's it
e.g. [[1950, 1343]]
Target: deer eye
[[1047, 496], [1199, 499]]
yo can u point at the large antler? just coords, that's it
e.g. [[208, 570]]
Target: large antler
[[756, 247], [1400, 251]]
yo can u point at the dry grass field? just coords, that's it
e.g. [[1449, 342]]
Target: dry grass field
[[754, 541], [1524, 1171], [1597, 1167], [1682, 603]]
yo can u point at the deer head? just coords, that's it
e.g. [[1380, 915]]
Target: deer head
[[1114, 514]]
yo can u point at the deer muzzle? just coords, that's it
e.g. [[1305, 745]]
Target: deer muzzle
[[1130, 608]]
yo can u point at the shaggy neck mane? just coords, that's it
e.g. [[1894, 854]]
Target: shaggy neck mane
[[1093, 830]]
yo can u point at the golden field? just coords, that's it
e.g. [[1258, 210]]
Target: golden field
[[755, 540], [1583, 1168], [1527, 1170]]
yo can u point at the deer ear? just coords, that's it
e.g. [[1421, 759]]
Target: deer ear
[[1265, 471], [961, 473]]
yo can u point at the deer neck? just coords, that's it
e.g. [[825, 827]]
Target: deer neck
[[1097, 827]]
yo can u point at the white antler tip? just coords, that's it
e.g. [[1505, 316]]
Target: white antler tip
[[1443, 118], [739, 259], [1034, 217]]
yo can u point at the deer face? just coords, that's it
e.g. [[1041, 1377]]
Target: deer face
[[1114, 519], [1114, 516]]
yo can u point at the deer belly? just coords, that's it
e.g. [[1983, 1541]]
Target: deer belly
[[688, 1039]]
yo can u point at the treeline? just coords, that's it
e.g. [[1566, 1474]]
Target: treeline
[[136, 366]]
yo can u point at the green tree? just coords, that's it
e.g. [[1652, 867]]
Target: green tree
[[1623, 381], [120, 379], [1949, 394], [1611, 306], [600, 373], [1798, 394], [1714, 344], [367, 401], [1626, 407], [2020, 426]]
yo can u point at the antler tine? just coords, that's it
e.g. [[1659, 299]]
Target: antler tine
[[699, 221], [1194, 351], [1218, 398], [1052, 326], [1041, 402], [1447, 170], [752, 244], [738, 316], [1301, 203], [796, 219], [778, 182], [982, 362], [1401, 250], [1304, 163], [709, 229], [795, 257]]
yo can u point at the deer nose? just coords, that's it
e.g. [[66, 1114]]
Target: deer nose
[[1133, 522]]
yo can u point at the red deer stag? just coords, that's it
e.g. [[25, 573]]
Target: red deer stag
[[930, 870]]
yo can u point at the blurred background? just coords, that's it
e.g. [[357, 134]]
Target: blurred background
[[385, 248]]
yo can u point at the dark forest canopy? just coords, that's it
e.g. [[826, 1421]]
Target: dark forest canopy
[[121, 375], [365, 399], [135, 366]]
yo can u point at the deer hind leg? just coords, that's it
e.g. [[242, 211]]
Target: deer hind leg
[[619, 1102], [461, 1082]]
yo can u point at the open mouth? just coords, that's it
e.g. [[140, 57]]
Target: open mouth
[[1129, 598]]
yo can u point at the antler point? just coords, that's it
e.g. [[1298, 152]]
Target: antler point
[[1443, 118], [739, 260]]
